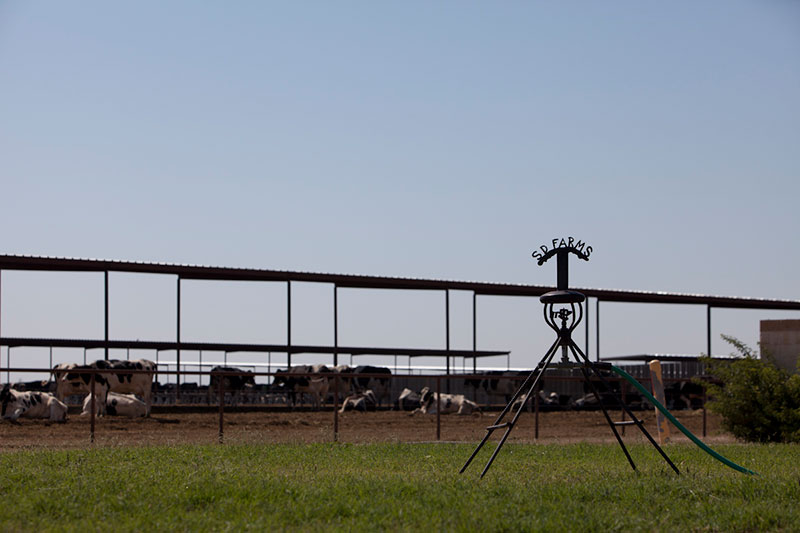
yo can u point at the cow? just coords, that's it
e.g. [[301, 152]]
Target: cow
[[345, 381], [547, 402], [683, 395], [31, 405], [293, 381], [234, 384], [140, 384], [380, 386], [117, 405], [361, 401], [450, 403], [408, 400], [502, 383], [71, 380], [42, 385]]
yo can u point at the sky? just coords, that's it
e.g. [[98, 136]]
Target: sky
[[441, 140]]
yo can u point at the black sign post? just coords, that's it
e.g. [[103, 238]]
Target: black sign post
[[563, 311]]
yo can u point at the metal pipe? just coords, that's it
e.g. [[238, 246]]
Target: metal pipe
[[221, 395], [93, 408], [289, 323], [438, 408], [178, 347], [447, 332], [708, 330], [106, 312], [586, 324], [335, 325], [336, 407], [474, 332], [597, 331]]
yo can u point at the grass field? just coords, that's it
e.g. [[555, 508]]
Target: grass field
[[415, 487]]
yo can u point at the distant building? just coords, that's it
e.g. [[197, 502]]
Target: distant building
[[780, 339]]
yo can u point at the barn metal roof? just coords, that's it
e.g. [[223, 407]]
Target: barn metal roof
[[22, 262]]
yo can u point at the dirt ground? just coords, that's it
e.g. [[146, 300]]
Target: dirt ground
[[174, 427]]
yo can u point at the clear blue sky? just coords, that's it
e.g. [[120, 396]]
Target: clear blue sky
[[442, 140]]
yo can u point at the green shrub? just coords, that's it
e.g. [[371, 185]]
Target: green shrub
[[758, 401]]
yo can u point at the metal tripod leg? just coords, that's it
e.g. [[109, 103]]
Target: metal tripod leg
[[608, 418], [579, 354], [510, 425]]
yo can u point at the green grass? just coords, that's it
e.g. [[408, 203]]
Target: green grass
[[415, 487]]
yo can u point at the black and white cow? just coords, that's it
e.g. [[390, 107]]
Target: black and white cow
[[31, 405], [140, 384], [500, 383], [408, 400], [71, 380], [361, 401], [232, 384], [450, 403], [380, 386], [293, 382], [118, 405]]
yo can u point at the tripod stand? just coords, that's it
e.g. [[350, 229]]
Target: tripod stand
[[569, 321]]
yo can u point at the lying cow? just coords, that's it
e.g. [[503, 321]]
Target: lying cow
[[293, 381], [362, 401], [381, 386], [408, 400], [117, 405], [70, 379], [450, 403], [31, 405]]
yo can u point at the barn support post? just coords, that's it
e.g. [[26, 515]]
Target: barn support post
[[708, 330], [8, 364], [106, 312], [474, 333], [438, 408], [335, 325], [221, 396], [586, 324], [51, 357], [92, 406], [178, 345], [289, 323], [447, 331], [597, 331]]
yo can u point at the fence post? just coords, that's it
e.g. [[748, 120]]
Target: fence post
[[336, 407], [93, 408], [622, 393], [221, 394], [438, 408]]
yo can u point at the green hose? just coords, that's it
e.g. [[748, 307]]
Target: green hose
[[680, 426]]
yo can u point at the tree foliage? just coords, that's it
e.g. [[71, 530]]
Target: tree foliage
[[758, 401]]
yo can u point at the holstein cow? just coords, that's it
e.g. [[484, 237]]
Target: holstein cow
[[408, 400], [140, 384], [345, 381], [233, 384], [503, 383], [31, 405], [381, 387], [118, 405], [293, 383], [450, 403], [71, 380], [362, 401]]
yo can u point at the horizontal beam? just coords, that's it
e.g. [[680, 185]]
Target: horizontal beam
[[17, 262], [16, 342]]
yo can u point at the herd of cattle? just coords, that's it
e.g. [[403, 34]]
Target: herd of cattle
[[125, 388]]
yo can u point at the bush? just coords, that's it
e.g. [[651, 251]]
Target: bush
[[758, 401]]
